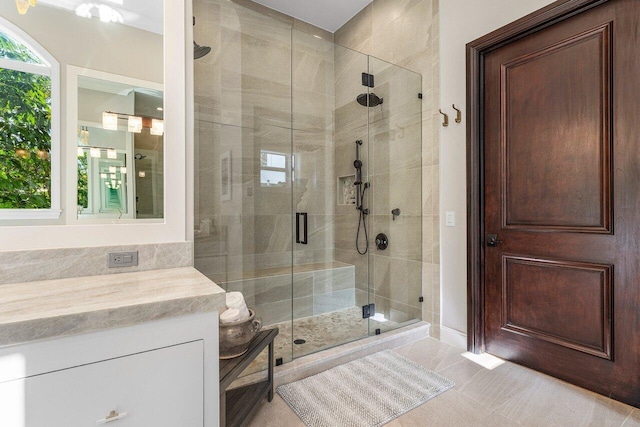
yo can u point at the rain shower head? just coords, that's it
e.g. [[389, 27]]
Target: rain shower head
[[369, 100], [200, 51]]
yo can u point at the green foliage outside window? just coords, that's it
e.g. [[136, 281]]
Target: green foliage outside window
[[83, 180], [25, 133]]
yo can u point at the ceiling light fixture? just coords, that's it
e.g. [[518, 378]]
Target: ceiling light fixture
[[104, 12], [23, 5], [109, 14], [84, 10]]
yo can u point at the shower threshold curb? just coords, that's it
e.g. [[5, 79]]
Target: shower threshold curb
[[315, 363]]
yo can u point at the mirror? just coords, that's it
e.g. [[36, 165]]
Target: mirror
[[110, 56], [120, 141]]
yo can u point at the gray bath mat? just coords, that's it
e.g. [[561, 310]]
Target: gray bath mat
[[367, 392]]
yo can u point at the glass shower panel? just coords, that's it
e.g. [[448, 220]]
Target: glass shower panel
[[330, 279], [243, 160], [395, 144]]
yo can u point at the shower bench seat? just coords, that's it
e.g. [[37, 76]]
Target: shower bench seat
[[318, 288]]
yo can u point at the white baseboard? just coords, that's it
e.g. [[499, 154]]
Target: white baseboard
[[453, 337]]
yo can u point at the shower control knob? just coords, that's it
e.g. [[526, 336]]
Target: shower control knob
[[382, 241]]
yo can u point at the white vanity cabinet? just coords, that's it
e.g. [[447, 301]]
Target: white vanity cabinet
[[122, 350], [157, 374], [160, 388]]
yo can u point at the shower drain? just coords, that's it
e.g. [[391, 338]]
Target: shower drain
[[299, 341]]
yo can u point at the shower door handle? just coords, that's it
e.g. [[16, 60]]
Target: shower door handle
[[304, 229]]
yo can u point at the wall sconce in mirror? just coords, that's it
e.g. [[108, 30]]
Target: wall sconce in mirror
[[157, 127], [135, 124], [109, 121]]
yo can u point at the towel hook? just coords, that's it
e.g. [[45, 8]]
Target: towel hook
[[458, 115], [445, 123]]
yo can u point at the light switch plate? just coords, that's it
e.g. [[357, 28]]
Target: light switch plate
[[123, 259], [450, 219]]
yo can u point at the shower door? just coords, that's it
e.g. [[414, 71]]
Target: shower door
[[330, 278]]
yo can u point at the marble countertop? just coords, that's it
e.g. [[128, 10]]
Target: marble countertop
[[53, 308]]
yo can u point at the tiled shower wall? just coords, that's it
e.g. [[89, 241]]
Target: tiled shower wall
[[406, 32]]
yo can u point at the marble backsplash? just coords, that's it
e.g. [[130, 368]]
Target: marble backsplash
[[46, 264]]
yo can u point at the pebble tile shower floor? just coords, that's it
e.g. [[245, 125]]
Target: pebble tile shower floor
[[319, 333]]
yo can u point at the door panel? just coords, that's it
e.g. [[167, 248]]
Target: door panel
[[561, 172], [566, 303], [558, 139]]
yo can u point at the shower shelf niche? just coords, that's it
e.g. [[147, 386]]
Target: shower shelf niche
[[346, 190]]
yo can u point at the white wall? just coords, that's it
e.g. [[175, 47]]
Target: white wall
[[461, 21]]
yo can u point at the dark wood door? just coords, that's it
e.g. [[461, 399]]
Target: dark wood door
[[562, 194]]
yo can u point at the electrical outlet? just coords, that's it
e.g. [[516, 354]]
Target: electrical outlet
[[123, 259]]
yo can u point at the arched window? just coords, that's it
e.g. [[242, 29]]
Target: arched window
[[29, 128]]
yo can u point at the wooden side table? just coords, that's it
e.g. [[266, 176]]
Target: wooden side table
[[238, 405]]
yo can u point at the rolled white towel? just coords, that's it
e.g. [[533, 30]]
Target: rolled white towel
[[244, 314], [230, 315], [235, 300]]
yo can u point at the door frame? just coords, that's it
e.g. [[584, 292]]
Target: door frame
[[476, 50]]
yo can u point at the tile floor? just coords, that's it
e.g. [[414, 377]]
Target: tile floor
[[509, 395]]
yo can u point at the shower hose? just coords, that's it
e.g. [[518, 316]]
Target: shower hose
[[362, 223]]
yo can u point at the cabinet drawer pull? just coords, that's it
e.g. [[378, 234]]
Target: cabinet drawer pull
[[113, 416]]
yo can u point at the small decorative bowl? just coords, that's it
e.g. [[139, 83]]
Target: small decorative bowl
[[236, 336]]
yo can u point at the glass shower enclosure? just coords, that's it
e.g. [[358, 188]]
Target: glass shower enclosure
[[308, 180]]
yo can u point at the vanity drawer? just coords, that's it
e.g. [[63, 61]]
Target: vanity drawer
[[159, 388]]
